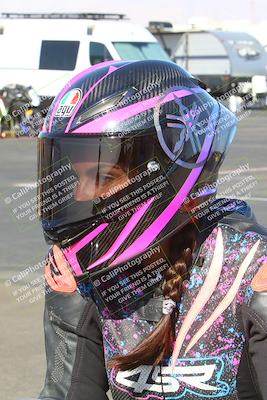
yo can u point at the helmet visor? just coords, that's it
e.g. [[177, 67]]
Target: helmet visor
[[81, 178]]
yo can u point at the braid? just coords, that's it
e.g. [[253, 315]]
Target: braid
[[176, 274], [159, 343]]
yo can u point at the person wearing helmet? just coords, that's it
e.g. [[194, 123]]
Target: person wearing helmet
[[156, 288]]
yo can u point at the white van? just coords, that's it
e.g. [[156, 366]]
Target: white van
[[45, 50]]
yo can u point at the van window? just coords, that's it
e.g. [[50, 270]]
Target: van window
[[98, 53], [140, 51], [59, 55]]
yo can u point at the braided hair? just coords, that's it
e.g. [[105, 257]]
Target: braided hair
[[159, 343]]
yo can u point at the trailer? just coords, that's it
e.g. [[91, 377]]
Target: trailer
[[228, 62]]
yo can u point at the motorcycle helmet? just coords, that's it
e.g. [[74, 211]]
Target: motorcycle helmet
[[125, 147]]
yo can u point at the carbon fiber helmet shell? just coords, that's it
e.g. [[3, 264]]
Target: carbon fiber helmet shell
[[153, 122]]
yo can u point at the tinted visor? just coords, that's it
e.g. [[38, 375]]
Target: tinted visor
[[81, 178]]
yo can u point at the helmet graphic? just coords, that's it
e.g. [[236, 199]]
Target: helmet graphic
[[124, 149]]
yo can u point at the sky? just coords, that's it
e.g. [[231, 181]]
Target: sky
[[141, 11]]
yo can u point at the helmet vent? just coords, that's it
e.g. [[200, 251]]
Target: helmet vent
[[106, 105]]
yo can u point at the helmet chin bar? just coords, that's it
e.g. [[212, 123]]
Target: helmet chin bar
[[68, 233]]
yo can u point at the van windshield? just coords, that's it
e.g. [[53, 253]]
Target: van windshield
[[140, 51]]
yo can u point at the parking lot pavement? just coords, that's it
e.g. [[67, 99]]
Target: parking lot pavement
[[22, 246]]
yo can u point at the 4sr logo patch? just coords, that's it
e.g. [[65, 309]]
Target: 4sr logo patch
[[200, 377]]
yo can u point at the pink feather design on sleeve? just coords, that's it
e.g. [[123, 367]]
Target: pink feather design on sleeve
[[203, 296], [227, 300]]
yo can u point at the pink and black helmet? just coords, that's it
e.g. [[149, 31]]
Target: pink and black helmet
[[124, 148]]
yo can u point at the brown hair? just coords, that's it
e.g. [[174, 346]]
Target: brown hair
[[159, 343]]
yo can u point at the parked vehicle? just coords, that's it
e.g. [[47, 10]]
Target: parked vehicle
[[4, 126], [223, 60], [20, 113], [45, 50]]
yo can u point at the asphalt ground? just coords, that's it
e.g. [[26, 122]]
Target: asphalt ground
[[22, 246]]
